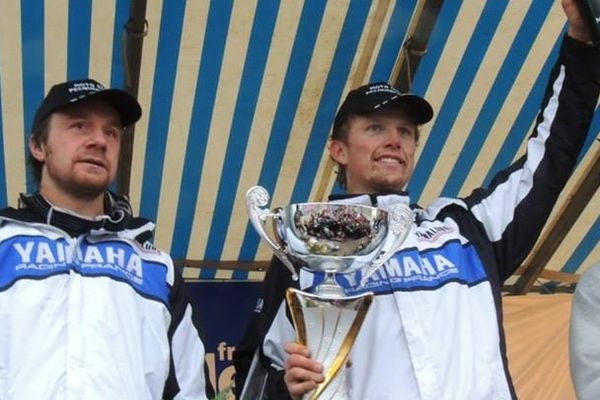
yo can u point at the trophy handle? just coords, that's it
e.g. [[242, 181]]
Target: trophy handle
[[257, 197], [400, 218]]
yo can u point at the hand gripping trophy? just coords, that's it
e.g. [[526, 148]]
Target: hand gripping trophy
[[330, 238]]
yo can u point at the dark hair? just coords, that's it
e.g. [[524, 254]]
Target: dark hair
[[39, 136], [341, 131]]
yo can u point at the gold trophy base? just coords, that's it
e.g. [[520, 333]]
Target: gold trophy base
[[328, 327]]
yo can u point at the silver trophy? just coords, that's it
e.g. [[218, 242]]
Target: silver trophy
[[330, 238]]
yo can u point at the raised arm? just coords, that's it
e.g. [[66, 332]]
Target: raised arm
[[514, 208]]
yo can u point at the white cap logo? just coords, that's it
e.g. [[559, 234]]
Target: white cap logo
[[86, 87]]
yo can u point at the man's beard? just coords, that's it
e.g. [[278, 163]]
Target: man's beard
[[383, 185], [73, 184], [79, 187], [84, 190]]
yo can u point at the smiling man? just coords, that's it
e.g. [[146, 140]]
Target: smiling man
[[434, 329], [375, 136], [89, 309]]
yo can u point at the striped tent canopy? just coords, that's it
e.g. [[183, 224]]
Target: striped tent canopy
[[242, 93]]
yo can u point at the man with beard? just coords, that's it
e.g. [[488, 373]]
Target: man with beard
[[434, 329], [89, 308]]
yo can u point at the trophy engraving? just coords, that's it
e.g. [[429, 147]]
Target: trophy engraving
[[333, 238]]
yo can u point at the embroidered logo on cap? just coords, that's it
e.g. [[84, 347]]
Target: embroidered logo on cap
[[86, 87], [373, 89]]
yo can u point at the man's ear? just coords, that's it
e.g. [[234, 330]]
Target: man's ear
[[37, 150], [338, 152]]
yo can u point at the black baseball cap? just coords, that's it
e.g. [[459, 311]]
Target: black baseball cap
[[65, 94], [373, 96]]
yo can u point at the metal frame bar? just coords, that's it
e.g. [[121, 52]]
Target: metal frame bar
[[133, 40]]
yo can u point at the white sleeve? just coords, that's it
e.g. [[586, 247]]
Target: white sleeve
[[585, 336], [188, 359]]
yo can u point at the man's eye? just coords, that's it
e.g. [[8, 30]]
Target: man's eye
[[114, 131], [79, 126], [376, 127]]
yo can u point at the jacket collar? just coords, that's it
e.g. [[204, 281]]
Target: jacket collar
[[117, 215], [371, 199]]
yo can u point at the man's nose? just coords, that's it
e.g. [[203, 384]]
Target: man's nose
[[393, 137], [97, 135]]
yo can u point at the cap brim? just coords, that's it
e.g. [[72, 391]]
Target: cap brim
[[417, 106], [125, 104]]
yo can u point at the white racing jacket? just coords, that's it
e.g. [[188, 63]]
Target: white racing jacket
[[88, 312], [434, 330]]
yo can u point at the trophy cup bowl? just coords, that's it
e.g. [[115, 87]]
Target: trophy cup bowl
[[333, 238], [330, 238]]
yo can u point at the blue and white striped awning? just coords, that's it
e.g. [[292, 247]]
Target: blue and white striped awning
[[239, 93]]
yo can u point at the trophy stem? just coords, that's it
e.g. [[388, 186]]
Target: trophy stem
[[329, 287]]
